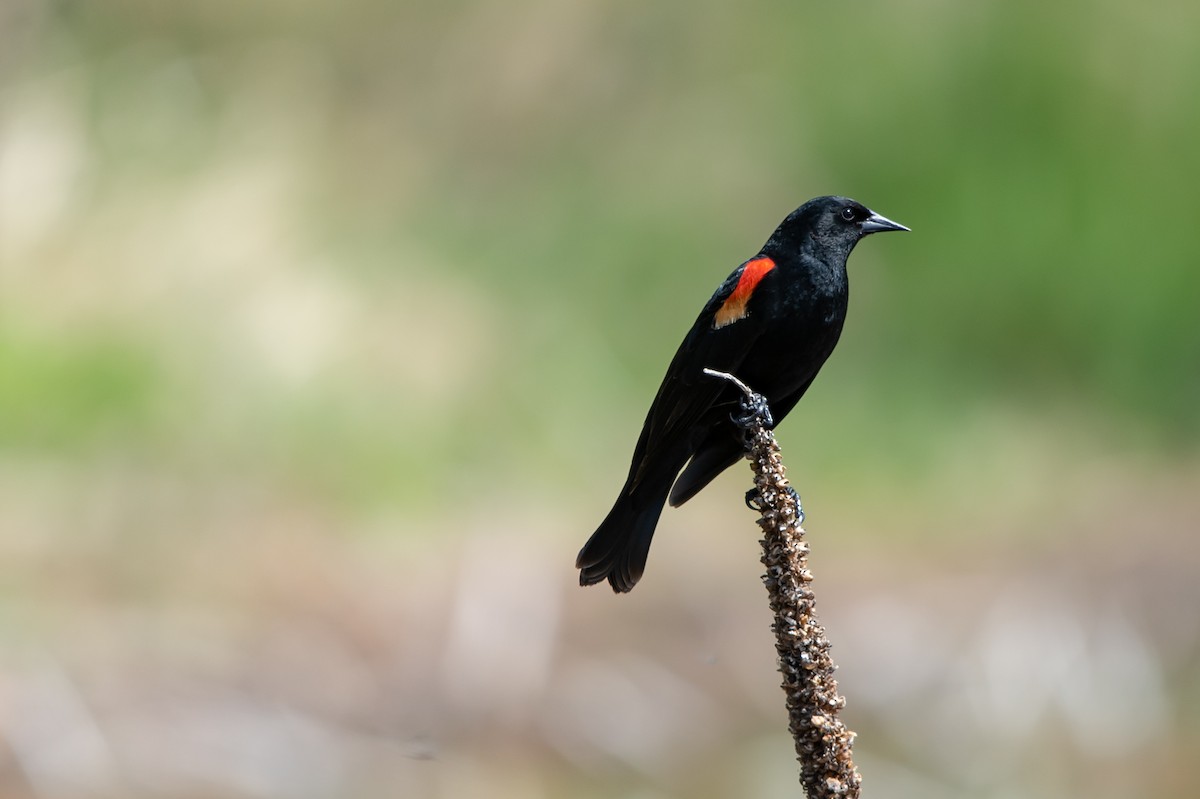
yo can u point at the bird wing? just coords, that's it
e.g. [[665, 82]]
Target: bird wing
[[723, 334]]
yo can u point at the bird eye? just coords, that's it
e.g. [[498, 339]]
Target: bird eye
[[848, 214]]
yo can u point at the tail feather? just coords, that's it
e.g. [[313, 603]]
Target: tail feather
[[618, 549], [714, 457]]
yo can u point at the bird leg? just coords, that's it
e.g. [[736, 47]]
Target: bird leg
[[754, 500], [754, 405], [754, 408], [799, 508]]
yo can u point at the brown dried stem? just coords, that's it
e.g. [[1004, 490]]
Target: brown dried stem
[[823, 742]]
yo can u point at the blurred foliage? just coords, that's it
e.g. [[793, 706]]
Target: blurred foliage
[[415, 268], [551, 191], [95, 387]]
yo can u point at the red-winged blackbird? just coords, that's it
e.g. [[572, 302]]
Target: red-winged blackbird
[[772, 323]]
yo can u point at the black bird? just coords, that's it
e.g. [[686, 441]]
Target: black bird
[[772, 323]]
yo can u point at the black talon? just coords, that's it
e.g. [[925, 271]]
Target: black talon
[[799, 508], [754, 500], [753, 409]]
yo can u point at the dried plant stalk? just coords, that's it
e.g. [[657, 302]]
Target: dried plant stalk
[[823, 742]]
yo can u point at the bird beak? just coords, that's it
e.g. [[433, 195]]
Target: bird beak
[[879, 224]]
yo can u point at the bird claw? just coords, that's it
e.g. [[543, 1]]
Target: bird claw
[[799, 508], [754, 501], [754, 409]]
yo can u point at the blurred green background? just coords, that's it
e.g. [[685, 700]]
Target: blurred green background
[[326, 331]]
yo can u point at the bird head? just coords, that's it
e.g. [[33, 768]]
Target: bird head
[[834, 224]]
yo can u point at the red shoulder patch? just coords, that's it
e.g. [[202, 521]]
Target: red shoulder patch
[[734, 307]]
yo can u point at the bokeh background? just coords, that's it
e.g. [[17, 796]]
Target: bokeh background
[[326, 330]]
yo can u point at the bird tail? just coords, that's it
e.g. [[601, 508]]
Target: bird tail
[[617, 550], [708, 462]]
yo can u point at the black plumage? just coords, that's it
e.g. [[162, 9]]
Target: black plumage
[[772, 323]]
